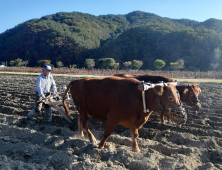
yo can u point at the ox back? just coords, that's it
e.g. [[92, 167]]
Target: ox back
[[146, 77], [98, 97]]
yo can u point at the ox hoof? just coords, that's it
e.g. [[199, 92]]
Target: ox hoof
[[101, 147], [81, 137], [162, 122], [136, 150], [94, 142]]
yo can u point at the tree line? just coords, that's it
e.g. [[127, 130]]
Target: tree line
[[103, 63], [134, 38]]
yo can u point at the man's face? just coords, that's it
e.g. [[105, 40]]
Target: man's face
[[46, 72]]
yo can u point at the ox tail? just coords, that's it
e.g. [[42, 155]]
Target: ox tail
[[64, 97]]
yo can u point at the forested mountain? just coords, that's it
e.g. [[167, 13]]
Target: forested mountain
[[151, 42], [73, 37]]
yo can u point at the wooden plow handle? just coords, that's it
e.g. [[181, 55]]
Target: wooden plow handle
[[60, 109]]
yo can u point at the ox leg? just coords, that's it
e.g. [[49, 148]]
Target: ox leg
[[162, 118], [110, 126], [81, 135], [134, 134], [83, 120]]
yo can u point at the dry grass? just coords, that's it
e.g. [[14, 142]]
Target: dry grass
[[210, 76]]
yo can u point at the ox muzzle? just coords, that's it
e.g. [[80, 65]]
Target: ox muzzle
[[196, 104], [195, 101], [177, 115]]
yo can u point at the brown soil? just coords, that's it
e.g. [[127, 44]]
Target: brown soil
[[196, 145]]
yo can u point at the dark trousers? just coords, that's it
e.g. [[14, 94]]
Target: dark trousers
[[39, 103]]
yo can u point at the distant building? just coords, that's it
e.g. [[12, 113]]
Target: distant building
[[2, 66]]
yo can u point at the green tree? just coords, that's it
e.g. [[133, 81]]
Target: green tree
[[44, 62], [25, 63], [177, 65], [116, 66], [106, 62], [216, 58], [127, 64], [159, 64], [12, 63], [17, 62], [59, 64], [181, 63], [90, 63], [137, 64], [174, 66], [72, 66]]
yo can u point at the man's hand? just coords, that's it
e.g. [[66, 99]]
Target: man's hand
[[45, 98]]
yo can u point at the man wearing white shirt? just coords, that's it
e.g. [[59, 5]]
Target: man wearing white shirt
[[44, 83]]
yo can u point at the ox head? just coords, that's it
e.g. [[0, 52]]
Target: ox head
[[169, 104], [190, 95]]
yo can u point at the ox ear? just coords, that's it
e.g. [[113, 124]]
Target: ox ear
[[199, 90], [159, 90]]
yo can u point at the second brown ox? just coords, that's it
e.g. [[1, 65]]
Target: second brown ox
[[118, 102], [188, 93]]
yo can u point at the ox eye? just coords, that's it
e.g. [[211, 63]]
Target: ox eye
[[170, 98], [191, 93]]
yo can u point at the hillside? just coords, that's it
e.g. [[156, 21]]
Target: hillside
[[151, 42], [73, 37]]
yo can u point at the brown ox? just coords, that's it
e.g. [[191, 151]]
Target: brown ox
[[146, 77], [118, 102], [188, 93]]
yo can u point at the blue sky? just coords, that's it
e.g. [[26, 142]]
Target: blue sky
[[14, 12]]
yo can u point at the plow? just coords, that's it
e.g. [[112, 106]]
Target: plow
[[56, 103]]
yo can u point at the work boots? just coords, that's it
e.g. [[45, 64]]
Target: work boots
[[30, 115]]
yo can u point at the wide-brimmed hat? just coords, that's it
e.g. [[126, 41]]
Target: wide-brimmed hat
[[47, 67]]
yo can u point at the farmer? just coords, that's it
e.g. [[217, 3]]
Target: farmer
[[44, 82]]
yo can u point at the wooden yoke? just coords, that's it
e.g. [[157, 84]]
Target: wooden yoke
[[143, 87]]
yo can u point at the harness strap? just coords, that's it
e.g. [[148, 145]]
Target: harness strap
[[172, 111], [144, 102]]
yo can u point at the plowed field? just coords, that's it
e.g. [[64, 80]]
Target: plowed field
[[196, 145]]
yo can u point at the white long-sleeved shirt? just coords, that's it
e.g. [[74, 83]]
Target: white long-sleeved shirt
[[44, 84]]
